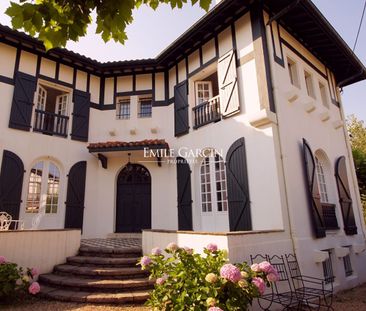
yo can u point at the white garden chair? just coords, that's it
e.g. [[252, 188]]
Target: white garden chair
[[5, 221]]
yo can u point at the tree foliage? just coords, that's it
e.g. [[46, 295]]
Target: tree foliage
[[357, 132], [56, 21]]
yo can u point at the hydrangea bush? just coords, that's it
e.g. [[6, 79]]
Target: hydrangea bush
[[14, 279], [185, 280]]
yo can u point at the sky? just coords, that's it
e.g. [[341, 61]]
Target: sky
[[152, 31]]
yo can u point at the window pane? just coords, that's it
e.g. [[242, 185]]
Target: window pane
[[34, 188], [220, 176], [53, 183], [123, 109], [145, 107]]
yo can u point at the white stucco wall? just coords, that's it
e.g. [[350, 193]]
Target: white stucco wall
[[301, 116]]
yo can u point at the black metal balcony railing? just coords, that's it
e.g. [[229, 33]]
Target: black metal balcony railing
[[207, 112], [50, 123], [329, 216]]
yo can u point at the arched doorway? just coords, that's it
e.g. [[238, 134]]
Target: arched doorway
[[133, 199]]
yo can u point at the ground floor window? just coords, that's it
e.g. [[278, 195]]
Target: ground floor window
[[347, 264], [43, 188], [213, 194], [328, 268]]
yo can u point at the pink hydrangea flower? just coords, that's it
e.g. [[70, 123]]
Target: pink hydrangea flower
[[260, 284], [19, 282], [34, 288], [172, 247], [255, 267], [145, 261], [161, 281], [188, 250], [34, 272], [2, 260], [156, 251], [272, 277], [211, 247], [266, 267], [230, 272], [215, 309]]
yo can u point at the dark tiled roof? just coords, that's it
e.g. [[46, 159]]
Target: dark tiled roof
[[304, 21], [132, 145]]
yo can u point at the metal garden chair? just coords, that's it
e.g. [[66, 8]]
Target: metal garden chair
[[314, 292], [281, 291], [5, 221]]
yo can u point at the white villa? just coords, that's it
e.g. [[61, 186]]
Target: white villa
[[235, 133]]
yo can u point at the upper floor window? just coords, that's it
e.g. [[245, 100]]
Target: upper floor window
[[123, 108], [145, 107], [43, 188], [309, 84], [323, 94], [292, 70], [51, 110], [203, 91]]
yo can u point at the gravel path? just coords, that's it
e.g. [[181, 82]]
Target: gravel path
[[351, 300]]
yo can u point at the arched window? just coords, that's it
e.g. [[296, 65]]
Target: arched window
[[43, 188], [321, 181], [213, 184]]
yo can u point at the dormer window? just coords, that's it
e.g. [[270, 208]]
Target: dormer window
[[145, 107], [51, 110], [123, 108]]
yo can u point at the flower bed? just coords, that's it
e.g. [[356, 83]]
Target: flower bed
[[14, 280], [189, 281]]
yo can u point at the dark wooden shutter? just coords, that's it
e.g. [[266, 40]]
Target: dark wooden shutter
[[312, 191], [228, 84], [75, 196], [80, 116], [22, 105], [184, 195], [238, 187], [345, 199], [181, 123], [11, 183]]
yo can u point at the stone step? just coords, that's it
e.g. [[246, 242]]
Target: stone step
[[102, 261], [135, 297], [90, 251], [101, 272], [90, 284]]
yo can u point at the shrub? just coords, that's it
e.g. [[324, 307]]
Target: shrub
[[14, 280], [189, 281]]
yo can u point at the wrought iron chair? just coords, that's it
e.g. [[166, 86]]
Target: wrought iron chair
[[281, 291], [314, 292], [5, 221]]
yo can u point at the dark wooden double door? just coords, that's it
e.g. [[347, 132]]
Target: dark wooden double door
[[133, 199]]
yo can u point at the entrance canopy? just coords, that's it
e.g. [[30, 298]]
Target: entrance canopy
[[105, 149]]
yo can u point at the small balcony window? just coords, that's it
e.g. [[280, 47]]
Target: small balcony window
[[145, 107], [207, 106], [51, 111], [123, 109]]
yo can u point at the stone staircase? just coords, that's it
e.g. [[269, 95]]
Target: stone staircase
[[99, 275]]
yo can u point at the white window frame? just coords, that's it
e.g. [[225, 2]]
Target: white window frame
[[45, 189], [322, 181], [199, 99], [208, 185], [293, 72]]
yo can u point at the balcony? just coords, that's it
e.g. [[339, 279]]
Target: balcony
[[207, 112], [329, 216], [50, 123]]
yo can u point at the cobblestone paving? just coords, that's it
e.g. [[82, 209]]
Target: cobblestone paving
[[119, 243]]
